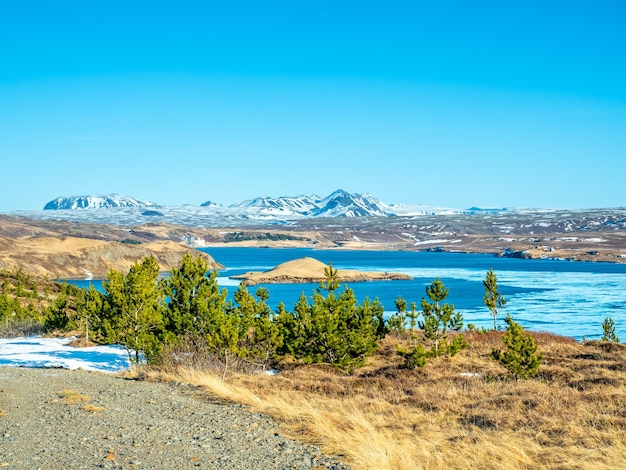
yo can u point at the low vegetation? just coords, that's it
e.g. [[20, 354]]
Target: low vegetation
[[24, 302], [234, 237], [154, 317], [412, 391], [439, 319], [608, 330], [521, 358], [464, 411]]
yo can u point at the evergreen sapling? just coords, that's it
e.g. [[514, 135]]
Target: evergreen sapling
[[521, 357]]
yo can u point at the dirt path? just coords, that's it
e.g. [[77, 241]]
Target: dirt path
[[60, 419]]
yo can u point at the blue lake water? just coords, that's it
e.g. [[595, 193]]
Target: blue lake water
[[563, 297]]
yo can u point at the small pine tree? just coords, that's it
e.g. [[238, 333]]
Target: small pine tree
[[89, 305], [439, 320], [493, 299], [57, 316], [194, 298], [259, 337], [333, 328], [521, 358], [415, 357], [132, 310], [608, 329], [397, 321], [266, 335]]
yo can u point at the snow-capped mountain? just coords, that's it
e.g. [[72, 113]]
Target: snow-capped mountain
[[338, 204], [96, 202], [285, 205], [343, 204]]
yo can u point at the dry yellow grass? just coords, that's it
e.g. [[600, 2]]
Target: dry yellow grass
[[93, 408], [72, 397], [454, 413], [77, 258]]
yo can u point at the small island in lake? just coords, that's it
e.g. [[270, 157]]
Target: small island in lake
[[310, 270]]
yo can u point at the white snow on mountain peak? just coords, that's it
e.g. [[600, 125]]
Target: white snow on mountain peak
[[123, 210], [96, 202]]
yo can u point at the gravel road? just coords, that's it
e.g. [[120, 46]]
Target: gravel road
[[61, 419]]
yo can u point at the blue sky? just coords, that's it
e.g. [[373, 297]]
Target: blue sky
[[451, 103]]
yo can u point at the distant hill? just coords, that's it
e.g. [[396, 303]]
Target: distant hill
[[80, 258], [210, 204]]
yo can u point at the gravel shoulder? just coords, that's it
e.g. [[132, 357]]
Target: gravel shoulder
[[59, 419]]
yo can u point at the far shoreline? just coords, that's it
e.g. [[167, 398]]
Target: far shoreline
[[517, 254], [338, 248]]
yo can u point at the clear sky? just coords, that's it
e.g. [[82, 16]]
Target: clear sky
[[445, 103]]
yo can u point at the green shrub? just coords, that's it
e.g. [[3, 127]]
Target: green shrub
[[333, 329], [521, 357], [608, 329], [439, 319], [493, 300]]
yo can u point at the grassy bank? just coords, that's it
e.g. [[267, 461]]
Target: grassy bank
[[460, 412]]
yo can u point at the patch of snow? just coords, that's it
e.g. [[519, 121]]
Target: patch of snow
[[35, 351], [429, 242], [407, 210], [470, 374]]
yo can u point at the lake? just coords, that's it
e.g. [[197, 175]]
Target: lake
[[563, 297]]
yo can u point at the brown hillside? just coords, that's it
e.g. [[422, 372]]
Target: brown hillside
[[79, 258]]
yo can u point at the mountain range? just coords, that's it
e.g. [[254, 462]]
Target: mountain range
[[338, 204], [340, 219]]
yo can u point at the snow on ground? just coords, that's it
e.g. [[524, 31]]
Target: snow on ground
[[439, 240], [35, 351]]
